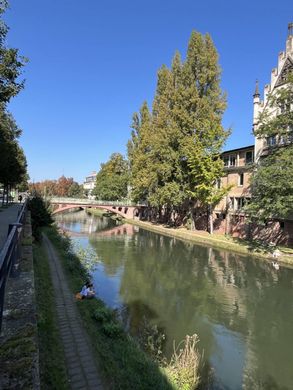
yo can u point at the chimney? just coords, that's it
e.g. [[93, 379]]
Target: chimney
[[290, 29]]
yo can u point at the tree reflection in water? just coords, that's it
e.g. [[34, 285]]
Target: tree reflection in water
[[240, 307]]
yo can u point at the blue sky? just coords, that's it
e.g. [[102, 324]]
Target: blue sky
[[92, 64]]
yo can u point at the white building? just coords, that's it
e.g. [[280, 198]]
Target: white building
[[278, 80], [89, 184]]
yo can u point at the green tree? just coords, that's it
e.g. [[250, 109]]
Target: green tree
[[143, 177], [169, 190], [12, 158], [112, 179], [174, 152], [200, 110], [271, 182], [10, 63], [75, 190]]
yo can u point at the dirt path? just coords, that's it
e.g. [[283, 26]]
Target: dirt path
[[80, 361]]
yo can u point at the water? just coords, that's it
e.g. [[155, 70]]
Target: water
[[240, 307]]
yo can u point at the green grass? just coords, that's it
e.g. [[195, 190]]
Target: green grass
[[16, 356], [97, 212], [123, 364], [52, 360], [103, 213]]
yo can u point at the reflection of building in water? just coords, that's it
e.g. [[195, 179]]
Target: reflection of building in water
[[121, 230]]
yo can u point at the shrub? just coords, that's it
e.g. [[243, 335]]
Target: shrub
[[41, 216], [183, 369], [112, 329], [103, 314]]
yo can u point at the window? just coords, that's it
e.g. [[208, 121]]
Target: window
[[282, 224], [231, 203], [271, 141], [240, 202], [232, 161], [218, 183], [249, 157], [229, 161], [241, 179]]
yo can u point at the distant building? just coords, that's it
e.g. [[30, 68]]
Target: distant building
[[89, 184]]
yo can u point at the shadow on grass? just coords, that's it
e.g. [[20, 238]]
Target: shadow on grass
[[123, 364]]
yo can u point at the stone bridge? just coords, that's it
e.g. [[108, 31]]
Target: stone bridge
[[125, 209]]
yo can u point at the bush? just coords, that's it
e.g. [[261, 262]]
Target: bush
[[41, 216], [103, 314], [112, 329]]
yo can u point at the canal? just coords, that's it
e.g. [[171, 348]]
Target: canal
[[240, 307]]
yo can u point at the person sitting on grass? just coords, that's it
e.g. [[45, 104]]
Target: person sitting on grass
[[87, 291]]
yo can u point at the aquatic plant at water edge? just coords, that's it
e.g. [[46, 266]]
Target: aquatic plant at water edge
[[184, 366]]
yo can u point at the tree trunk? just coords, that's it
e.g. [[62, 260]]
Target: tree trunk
[[192, 226], [210, 220]]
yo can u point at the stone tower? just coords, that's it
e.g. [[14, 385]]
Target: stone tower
[[278, 79]]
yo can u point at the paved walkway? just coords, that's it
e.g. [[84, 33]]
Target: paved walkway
[[7, 216], [80, 361]]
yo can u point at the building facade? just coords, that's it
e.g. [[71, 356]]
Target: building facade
[[238, 165], [89, 184], [229, 217], [278, 80]]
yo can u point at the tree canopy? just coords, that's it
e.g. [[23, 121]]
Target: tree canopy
[[64, 187], [112, 179], [12, 159], [174, 150]]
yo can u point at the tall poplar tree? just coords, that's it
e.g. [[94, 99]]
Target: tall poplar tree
[[198, 110], [175, 150], [143, 177]]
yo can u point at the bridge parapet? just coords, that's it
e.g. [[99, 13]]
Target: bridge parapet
[[124, 208], [84, 201]]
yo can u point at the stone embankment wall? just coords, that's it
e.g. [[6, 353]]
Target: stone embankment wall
[[19, 352]]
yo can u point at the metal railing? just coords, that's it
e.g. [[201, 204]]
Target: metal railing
[[11, 253]]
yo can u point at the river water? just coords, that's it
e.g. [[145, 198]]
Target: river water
[[240, 307]]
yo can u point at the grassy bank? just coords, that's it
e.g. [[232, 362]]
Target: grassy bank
[[103, 213], [52, 360], [237, 245], [123, 364]]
